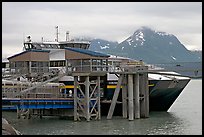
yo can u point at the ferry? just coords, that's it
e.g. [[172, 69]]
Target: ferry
[[164, 88]]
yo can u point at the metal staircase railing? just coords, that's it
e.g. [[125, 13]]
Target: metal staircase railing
[[62, 72]]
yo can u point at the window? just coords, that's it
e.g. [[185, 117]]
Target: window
[[34, 64]]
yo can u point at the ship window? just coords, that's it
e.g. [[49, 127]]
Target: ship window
[[52, 63], [104, 62], [55, 46], [27, 45], [62, 63], [19, 64], [110, 63], [76, 46], [87, 46], [33, 64], [46, 64], [55, 64], [51, 45], [3, 65], [33, 46], [12, 64], [61, 46], [42, 45], [40, 64]]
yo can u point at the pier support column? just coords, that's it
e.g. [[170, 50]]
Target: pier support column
[[75, 98], [124, 97], [130, 97], [99, 97], [136, 95], [87, 106], [146, 94], [144, 91], [87, 98]]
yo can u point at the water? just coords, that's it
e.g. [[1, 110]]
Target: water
[[191, 69], [183, 118]]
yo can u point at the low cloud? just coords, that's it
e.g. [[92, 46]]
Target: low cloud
[[113, 21]]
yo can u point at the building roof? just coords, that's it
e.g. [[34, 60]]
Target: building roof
[[88, 52], [31, 50]]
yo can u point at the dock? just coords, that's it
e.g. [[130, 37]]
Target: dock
[[88, 69]]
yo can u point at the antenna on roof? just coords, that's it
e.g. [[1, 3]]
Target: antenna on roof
[[29, 38], [67, 36], [57, 33]]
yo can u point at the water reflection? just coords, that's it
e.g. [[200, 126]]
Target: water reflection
[[165, 123], [159, 123], [183, 118]]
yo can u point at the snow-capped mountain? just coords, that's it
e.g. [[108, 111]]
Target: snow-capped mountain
[[102, 45], [148, 45]]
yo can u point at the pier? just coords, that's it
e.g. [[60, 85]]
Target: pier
[[135, 93], [89, 70]]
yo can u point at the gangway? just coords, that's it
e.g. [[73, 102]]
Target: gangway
[[41, 84]]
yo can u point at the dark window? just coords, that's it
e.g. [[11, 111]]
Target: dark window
[[3, 65]]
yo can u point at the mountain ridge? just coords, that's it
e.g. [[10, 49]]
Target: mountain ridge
[[148, 45]]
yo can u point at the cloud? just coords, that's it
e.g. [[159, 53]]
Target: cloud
[[113, 21]]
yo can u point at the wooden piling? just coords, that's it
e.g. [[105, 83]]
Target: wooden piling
[[99, 97], [144, 91], [130, 97], [75, 98], [124, 97], [136, 96], [87, 106], [146, 94]]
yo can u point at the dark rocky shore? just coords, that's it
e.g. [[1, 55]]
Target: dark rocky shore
[[7, 129]]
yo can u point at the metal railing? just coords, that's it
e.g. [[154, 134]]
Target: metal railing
[[87, 68]]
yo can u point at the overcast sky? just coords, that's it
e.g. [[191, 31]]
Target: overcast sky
[[114, 21]]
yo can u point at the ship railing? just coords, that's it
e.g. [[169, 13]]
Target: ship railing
[[105, 68], [87, 68], [114, 68], [49, 90], [128, 68]]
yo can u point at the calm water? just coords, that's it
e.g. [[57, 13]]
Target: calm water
[[183, 118]]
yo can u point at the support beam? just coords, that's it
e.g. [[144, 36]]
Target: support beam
[[130, 97], [115, 97], [136, 95]]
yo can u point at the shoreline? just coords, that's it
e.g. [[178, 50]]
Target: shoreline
[[8, 129]]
